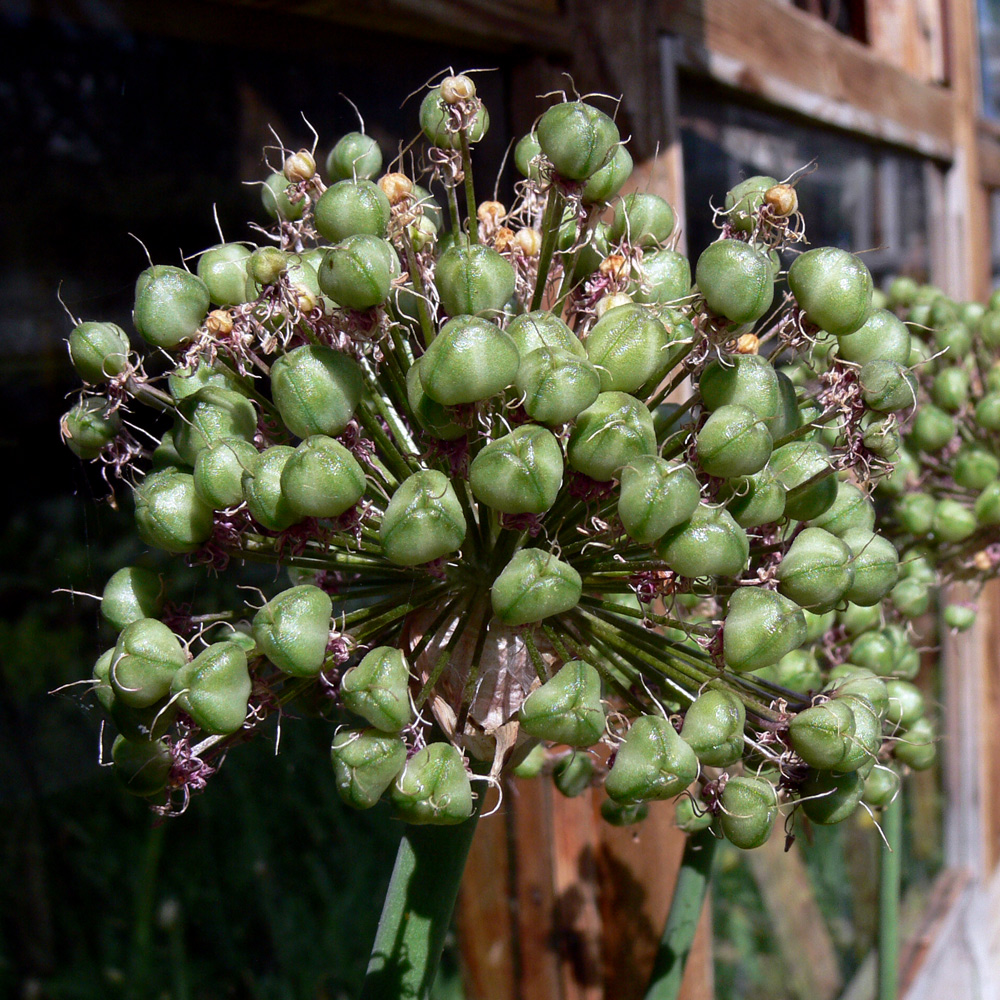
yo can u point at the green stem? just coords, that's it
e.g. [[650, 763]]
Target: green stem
[[888, 899], [470, 194], [417, 910], [682, 921], [142, 928], [426, 326], [550, 234]]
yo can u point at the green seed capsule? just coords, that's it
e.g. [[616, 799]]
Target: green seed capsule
[[663, 276], [99, 351], [526, 154], [906, 703], [473, 280], [817, 570], [433, 787], [902, 292], [833, 287], [733, 442], [354, 156], [911, 598], [130, 594], [745, 200], [520, 473], [567, 708], [351, 207], [607, 182], [975, 467], [851, 509], [761, 627], [953, 522], [918, 746], [623, 815], [642, 220], [887, 386], [322, 478], [874, 651], [690, 815], [955, 339], [756, 500], [864, 744], [577, 139], [987, 411], [987, 508], [950, 389], [137, 724], [881, 435], [214, 688], [573, 774], [209, 415], [652, 763], [818, 625], [365, 764], [432, 417], [863, 685], [223, 269], [470, 360], [145, 659], [795, 465], [932, 429], [915, 513], [86, 430], [656, 495], [218, 472], [436, 122], [882, 337], [736, 280], [532, 764], [316, 390], [555, 385], [744, 379], [534, 585], [265, 266], [876, 566], [533, 330], [989, 328], [820, 735], [611, 433], [713, 727], [357, 273], [170, 515], [628, 347], [378, 689], [797, 671], [831, 798], [857, 619], [170, 305], [788, 418], [292, 630], [142, 767], [265, 501], [881, 787], [711, 543], [749, 809], [423, 521], [276, 197], [959, 617]]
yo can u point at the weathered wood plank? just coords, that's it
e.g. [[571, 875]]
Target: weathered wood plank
[[908, 34]]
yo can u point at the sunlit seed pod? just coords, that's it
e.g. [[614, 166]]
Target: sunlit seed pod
[[145, 659], [148, 723], [642, 219], [749, 808], [711, 543], [795, 465], [577, 138], [214, 688], [736, 280], [882, 337], [218, 472], [953, 522], [761, 626], [533, 330], [713, 727], [223, 268], [170, 305], [470, 359], [534, 585], [526, 156], [357, 273], [733, 442], [438, 126], [262, 492], [434, 418], [627, 346], [87, 429], [519, 473], [655, 496], [618, 814], [377, 689], [365, 764], [917, 747], [354, 155], [350, 207], [864, 685], [652, 762], [555, 385], [915, 513], [573, 773], [950, 389], [612, 432], [876, 566], [829, 798], [131, 593], [756, 500], [322, 478], [864, 744], [691, 816], [185, 381], [473, 280], [661, 276], [975, 467], [423, 521], [603, 185], [276, 195], [833, 287], [881, 787], [959, 617], [744, 202], [906, 703], [209, 415], [880, 435], [567, 708], [816, 571], [170, 515], [911, 598], [887, 386], [292, 630], [142, 767], [851, 509], [99, 351], [316, 390], [264, 267], [820, 735]]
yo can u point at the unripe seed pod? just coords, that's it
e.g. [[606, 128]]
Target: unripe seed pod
[[713, 727], [863, 685], [733, 442], [906, 703], [130, 594], [887, 386], [473, 280], [525, 156], [918, 747], [932, 429], [745, 200], [856, 618], [555, 385], [223, 268], [864, 744], [955, 339], [975, 468], [881, 787], [851, 509], [818, 625], [736, 280], [365, 764], [623, 815], [756, 500], [831, 798], [99, 351], [573, 774], [351, 207], [874, 651], [210, 415], [627, 346], [833, 287], [797, 671], [782, 199], [876, 566], [214, 688], [662, 276], [691, 816], [577, 138], [817, 570], [788, 418], [520, 473], [432, 416], [170, 515], [987, 411], [915, 513], [423, 521], [534, 585], [603, 185], [761, 627], [357, 273], [749, 809], [794, 465], [292, 630], [953, 522], [469, 360], [355, 155], [138, 724], [652, 763], [567, 708], [744, 379], [532, 764], [316, 390], [959, 617], [183, 381], [170, 305], [275, 196], [643, 220], [145, 659], [218, 472], [882, 337], [950, 389], [437, 124], [433, 787], [533, 330], [911, 598], [608, 435], [989, 328], [322, 478], [903, 292], [711, 543], [656, 495], [86, 430], [142, 767], [820, 735], [378, 689], [265, 501]]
